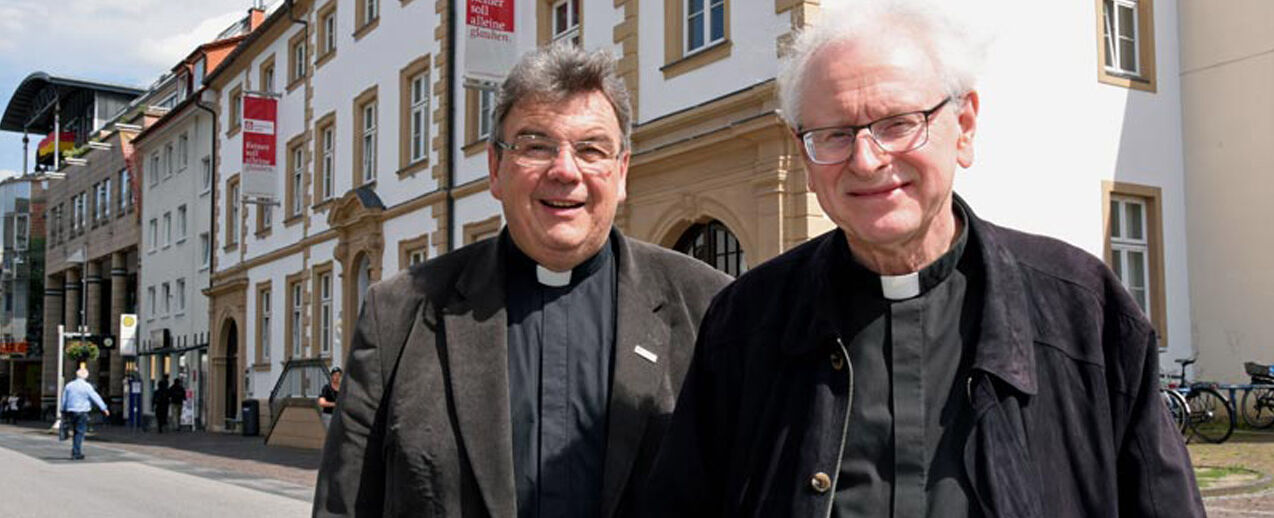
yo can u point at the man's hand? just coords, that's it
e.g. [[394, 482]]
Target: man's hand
[[106, 413]]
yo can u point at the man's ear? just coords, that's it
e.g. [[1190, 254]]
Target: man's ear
[[967, 119], [493, 170]]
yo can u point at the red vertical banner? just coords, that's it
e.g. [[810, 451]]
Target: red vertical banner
[[260, 146], [490, 46]]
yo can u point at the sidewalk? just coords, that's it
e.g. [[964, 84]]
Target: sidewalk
[[247, 455]]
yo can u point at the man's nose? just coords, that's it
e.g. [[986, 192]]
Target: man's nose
[[563, 168], [867, 157]]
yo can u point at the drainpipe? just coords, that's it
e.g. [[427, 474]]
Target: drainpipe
[[212, 196], [301, 21], [451, 125]]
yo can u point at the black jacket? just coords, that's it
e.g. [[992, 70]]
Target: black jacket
[[1064, 386]]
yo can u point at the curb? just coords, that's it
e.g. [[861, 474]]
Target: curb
[[1260, 484]]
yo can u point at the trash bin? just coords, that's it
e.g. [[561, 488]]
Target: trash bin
[[251, 416]]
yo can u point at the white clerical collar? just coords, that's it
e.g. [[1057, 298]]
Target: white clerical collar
[[899, 287], [549, 277]]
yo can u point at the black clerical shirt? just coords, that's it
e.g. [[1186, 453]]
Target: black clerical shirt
[[561, 339], [909, 416]]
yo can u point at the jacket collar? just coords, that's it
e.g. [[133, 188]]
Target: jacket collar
[[1004, 347]]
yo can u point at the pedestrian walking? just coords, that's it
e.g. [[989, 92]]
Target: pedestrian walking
[[12, 407], [327, 396], [77, 401], [176, 398], [161, 404]]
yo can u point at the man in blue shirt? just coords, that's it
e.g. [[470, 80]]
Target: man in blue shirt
[[75, 401]]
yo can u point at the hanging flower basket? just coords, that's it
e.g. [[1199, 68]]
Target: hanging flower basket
[[81, 351]]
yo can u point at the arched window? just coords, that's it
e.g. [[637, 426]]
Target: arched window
[[714, 244]]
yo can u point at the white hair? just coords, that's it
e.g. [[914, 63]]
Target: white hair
[[955, 44], [82, 373]]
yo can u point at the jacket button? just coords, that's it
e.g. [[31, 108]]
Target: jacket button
[[821, 482], [838, 363]]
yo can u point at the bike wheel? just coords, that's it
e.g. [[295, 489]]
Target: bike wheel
[[1177, 408], [1258, 407], [1211, 417]]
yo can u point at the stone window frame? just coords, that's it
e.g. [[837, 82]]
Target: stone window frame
[[363, 25], [264, 316], [1145, 77], [368, 96], [1151, 198], [406, 79], [266, 74], [294, 200], [678, 59], [234, 119], [232, 213], [298, 67], [545, 19], [408, 247], [294, 345], [317, 273], [475, 142], [327, 36], [321, 127], [481, 229]]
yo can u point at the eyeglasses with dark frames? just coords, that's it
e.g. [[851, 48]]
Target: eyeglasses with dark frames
[[893, 134]]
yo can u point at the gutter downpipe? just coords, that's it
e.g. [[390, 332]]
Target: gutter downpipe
[[212, 195], [451, 125]]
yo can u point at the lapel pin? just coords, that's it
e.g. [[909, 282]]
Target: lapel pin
[[644, 353]]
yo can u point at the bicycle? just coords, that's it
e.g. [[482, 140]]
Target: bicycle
[[1258, 402], [1210, 414], [1178, 409]]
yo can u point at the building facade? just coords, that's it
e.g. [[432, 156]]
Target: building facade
[[22, 286], [175, 156], [1226, 71]]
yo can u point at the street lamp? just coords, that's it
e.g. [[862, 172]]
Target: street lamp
[[78, 258]]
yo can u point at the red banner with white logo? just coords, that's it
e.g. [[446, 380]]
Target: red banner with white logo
[[260, 145]]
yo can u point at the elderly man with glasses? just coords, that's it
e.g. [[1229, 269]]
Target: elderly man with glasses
[[917, 360], [532, 374]]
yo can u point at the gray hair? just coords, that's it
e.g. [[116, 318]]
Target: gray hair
[[956, 46], [554, 72]]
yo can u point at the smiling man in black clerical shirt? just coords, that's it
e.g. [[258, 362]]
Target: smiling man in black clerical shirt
[[532, 374], [916, 361]]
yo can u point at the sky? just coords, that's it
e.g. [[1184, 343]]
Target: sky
[[127, 42]]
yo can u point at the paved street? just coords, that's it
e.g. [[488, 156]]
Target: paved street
[[119, 479]]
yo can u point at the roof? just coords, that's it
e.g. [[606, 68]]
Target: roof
[[23, 102], [281, 13]]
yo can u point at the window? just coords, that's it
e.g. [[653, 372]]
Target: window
[[696, 33], [366, 127], [478, 230], [206, 165], [104, 202], [419, 117], [125, 190], [205, 250], [168, 160], [168, 299], [1127, 43], [181, 295], [298, 67], [21, 227], [153, 228], [236, 110], [369, 142], [714, 244], [296, 191], [327, 30], [325, 312], [168, 229], [367, 16], [415, 257], [266, 70], [486, 106], [98, 195], [704, 26], [1134, 247], [154, 169], [566, 21], [263, 323], [181, 223], [150, 296], [294, 321], [183, 152], [232, 212], [327, 166], [199, 71]]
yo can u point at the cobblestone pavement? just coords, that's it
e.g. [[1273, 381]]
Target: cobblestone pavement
[[1246, 449]]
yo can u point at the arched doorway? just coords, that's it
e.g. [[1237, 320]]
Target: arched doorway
[[714, 244], [231, 372]]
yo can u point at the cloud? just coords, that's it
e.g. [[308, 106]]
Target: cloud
[[131, 41]]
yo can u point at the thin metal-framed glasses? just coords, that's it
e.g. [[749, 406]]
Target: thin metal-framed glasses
[[533, 151], [893, 134]]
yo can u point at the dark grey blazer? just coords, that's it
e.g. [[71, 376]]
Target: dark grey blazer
[[422, 423]]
